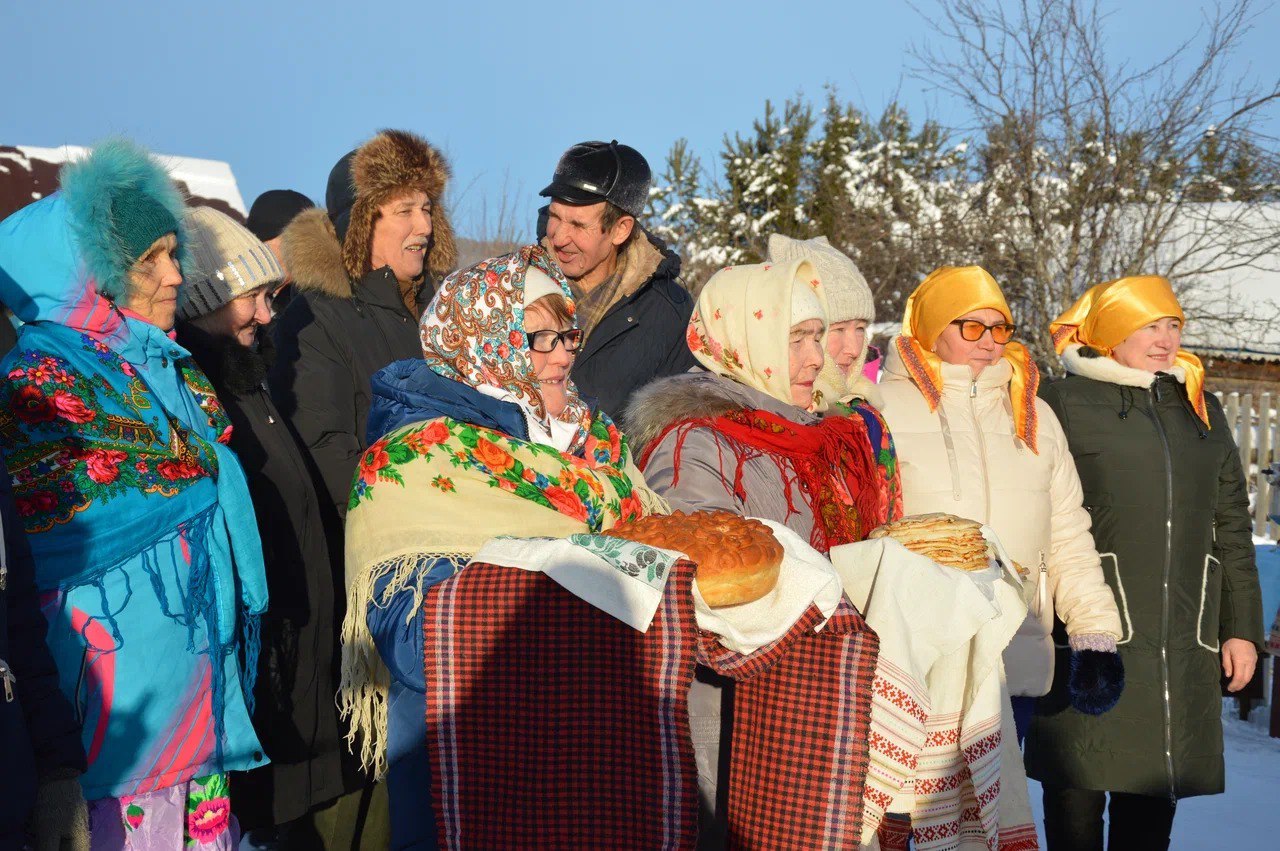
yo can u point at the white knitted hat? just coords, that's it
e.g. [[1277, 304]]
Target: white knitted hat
[[805, 304], [848, 296], [228, 262]]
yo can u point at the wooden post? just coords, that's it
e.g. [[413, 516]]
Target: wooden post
[[1233, 415], [1264, 457]]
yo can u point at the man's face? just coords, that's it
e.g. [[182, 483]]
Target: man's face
[[580, 243], [401, 234]]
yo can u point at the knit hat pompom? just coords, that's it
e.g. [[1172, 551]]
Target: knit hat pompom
[[121, 201]]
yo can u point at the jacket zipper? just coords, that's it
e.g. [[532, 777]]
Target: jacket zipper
[[7, 677], [982, 449], [1154, 396], [1042, 587]]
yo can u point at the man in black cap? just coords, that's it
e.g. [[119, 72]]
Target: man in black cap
[[268, 217], [625, 281]]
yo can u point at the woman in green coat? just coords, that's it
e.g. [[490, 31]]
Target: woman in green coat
[[1163, 482]]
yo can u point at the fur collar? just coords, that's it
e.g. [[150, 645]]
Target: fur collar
[[313, 255], [1080, 360], [691, 395]]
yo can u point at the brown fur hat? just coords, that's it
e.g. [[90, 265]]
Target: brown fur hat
[[389, 164]]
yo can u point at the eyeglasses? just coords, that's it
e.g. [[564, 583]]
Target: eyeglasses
[[544, 342], [972, 330]]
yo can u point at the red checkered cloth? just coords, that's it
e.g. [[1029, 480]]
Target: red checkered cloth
[[799, 753], [552, 725]]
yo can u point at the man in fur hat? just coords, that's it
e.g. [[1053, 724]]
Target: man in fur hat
[[364, 270], [625, 281]]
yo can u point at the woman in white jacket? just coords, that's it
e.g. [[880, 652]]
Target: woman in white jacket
[[973, 440]]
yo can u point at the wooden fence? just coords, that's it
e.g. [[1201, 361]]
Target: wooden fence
[[1257, 432]]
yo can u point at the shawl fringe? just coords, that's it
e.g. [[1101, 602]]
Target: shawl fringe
[[365, 686]]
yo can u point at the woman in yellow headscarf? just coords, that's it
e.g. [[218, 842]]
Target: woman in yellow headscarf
[[974, 441], [1163, 482]]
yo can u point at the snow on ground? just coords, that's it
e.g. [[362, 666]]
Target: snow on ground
[[1247, 816]]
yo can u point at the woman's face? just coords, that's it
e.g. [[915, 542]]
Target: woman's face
[[550, 369], [980, 353], [1153, 347], [845, 342], [804, 356], [153, 283], [239, 318]]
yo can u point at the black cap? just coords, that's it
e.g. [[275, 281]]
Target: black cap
[[591, 172], [340, 195], [273, 211]]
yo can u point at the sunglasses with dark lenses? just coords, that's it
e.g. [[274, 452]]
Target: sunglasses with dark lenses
[[972, 330], [545, 342]]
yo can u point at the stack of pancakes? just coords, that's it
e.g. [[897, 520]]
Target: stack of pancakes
[[738, 559], [944, 538]]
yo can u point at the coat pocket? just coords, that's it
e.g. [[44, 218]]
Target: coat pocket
[[1210, 604], [1116, 581]]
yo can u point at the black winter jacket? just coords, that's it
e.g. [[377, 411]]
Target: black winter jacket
[[39, 734], [295, 715], [642, 337], [330, 341], [1170, 510]]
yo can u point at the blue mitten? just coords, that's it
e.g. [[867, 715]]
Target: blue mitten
[[1096, 678]]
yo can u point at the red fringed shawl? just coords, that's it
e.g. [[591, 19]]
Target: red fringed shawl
[[832, 462]]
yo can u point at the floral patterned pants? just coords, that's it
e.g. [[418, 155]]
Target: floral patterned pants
[[191, 815]]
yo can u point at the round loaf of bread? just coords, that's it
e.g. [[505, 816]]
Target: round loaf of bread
[[738, 559]]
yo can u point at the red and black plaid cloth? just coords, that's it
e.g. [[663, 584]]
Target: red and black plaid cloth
[[552, 725], [800, 749]]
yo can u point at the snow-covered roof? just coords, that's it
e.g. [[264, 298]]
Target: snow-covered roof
[[29, 173], [1233, 310]]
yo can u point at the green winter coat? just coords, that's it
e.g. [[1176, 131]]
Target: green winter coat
[[1171, 521]]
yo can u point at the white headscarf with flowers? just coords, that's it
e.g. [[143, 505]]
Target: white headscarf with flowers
[[473, 332], [741, 327]]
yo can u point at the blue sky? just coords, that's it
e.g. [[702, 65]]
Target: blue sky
[[281, 90]]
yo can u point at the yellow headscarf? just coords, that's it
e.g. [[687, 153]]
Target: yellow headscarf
[[947, 294], [741, 326], [1107, 314]]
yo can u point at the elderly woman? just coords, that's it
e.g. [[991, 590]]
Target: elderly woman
[[851, 308], [1163, 482], [745, 434], [138, 515], [486, 436]]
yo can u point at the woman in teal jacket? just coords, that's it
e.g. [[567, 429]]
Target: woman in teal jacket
[[139, 519]]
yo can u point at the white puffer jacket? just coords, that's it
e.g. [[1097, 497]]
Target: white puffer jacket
[[965, 459]]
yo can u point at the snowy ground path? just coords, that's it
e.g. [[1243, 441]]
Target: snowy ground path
[[1247, 816]]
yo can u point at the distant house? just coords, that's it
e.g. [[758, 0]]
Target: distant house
[[28, 174], [1233, 314]]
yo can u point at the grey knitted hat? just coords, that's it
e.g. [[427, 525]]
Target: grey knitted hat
[[228, 262], [848, 296]]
